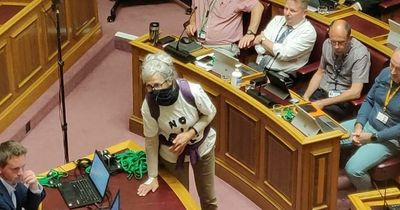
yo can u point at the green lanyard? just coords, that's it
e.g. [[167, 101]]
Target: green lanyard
[[206, 14]]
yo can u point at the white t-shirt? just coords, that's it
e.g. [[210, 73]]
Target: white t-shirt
[[178, 118]]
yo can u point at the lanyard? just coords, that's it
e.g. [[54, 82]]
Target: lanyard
[[390, 95], [337, 68], [206, 14]]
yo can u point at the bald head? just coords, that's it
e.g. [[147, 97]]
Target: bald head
[[340, 36], [341, 27], [395, 66]]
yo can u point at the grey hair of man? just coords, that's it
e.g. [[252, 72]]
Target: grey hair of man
[[158, 63], [10, 149], [303, 3]]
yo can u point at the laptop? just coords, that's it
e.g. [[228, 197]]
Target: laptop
[[87, 189], [116, 202], [312, 125], [394, 34], [224, 65], [278, 84]]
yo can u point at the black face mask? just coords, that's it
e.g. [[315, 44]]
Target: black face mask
[[166, 97]]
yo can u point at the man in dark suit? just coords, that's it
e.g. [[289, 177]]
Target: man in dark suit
[[19, 188]]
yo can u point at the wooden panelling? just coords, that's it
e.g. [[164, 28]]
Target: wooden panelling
[[26, 48], [282, 176], [241, 138], [83, 14], [7, 12], [5, 92], [321, 170], [51, 23], [29, 62]]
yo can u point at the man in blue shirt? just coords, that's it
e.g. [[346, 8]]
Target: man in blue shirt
[[376, 130]]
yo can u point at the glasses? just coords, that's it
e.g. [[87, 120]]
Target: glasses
[[156, 86], [339, 43]]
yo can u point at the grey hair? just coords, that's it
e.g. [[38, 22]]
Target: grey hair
[[303, 3], [158, 63]]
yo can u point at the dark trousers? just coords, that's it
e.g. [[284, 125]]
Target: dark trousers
[[340, 112]]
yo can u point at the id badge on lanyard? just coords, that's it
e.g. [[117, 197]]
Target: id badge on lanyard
[[333, 93], [382, 117], [201, 37]]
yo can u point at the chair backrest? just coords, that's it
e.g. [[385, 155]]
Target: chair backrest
[[378, 62], [265, 18], [322, 34], [249, 54]]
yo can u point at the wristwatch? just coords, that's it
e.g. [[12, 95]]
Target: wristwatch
[[249, 32], [374, 137]]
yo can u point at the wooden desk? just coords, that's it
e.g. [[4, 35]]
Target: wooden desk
[[258, 153], [170, 195], [373, 199]]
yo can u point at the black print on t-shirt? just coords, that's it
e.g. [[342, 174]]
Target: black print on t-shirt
[[181, 120], [173, 124]]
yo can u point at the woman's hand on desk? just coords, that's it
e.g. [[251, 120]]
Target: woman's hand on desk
[[150, 184]]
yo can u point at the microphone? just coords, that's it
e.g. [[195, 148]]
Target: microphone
[[185, 24], [385, 204], [181, 55], [55, 4], [175, 52], [266, 70], [259, 81]]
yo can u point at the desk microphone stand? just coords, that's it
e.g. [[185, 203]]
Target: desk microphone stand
[[60, 62]]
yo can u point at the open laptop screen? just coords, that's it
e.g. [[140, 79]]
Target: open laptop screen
[[99, 174], [116, 202]]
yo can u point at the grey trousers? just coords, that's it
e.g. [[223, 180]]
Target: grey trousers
[[204, 173]]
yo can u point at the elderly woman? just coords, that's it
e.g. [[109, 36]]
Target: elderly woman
[[179, 128]]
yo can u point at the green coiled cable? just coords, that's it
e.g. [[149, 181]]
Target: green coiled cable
[[133, 163]]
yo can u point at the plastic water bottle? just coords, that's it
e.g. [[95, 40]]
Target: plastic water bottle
[[236, 77]]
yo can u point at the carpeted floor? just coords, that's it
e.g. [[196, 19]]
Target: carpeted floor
[[99, 99]]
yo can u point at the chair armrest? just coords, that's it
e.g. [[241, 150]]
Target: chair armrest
[[357, 102], [389, 4], [387, 169], [391, 162], [308, 68]]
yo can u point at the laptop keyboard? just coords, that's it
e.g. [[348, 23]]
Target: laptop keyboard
[[86, 192]]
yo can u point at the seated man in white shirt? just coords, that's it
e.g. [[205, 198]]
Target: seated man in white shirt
[[289, 38]]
